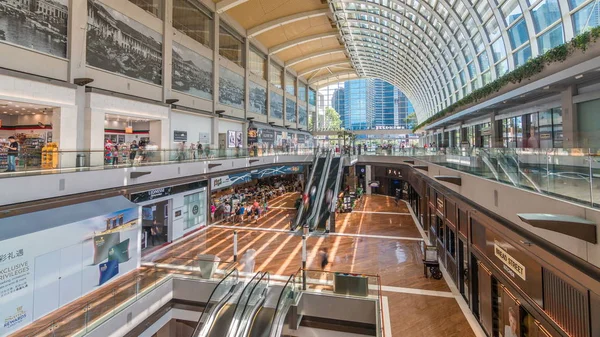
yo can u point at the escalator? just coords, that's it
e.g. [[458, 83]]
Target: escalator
[[269, 319], [331, 186], [315, 179], [227, 304]]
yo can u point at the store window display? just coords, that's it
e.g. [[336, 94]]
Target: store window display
[[155, 224]]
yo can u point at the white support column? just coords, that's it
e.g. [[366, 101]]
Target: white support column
[[167, 48], [214, 134], [216, 58], [76, 52], [159, 133], [64, 122], [283, 83], [94, 135], [268, 75]]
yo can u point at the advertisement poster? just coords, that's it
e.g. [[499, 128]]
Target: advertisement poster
[[119, 44], [231, 138], [266, 136], [252, 136], [238, 139], [41, 27], [44, 270]]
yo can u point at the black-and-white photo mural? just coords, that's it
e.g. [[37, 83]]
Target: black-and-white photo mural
[[192, 72], [122, 45], [276, 105], [258, 99], [302, 115], [231, 88], [40, 25], [290, 110]]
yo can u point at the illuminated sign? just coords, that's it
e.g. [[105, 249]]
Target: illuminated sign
[[514, 266]]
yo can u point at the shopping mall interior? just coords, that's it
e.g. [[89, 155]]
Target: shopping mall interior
[[300, 168]]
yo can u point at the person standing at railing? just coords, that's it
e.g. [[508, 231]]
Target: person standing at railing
[[199, 150], [192, 150], [133, 148], [13, 152], [207, 150], [324, 256], [115, 155]]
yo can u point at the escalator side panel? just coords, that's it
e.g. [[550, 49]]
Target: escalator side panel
[[332, 178]]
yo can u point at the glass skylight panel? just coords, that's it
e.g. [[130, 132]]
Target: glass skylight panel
[[460, 8], [551, 39], [425, 13], [545, 14], [498, 50], [492, 29], [521, 56], [483, 10], [484, 61], [586, 18], [486, 77], [442, 11], [472, 71], [575, 3], [471, 26], [511, 11], [517, 34], [462, 76], [501, 68]]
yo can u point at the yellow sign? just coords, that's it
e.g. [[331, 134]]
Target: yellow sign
[[514, 265]]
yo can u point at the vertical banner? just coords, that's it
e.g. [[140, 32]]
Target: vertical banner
[[230, 138], [252, 136]]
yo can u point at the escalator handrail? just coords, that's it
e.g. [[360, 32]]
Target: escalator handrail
[[275, 328], [306, 191], [237, 303], [314, 216], [223, 300], [245, 328], [336, 187]]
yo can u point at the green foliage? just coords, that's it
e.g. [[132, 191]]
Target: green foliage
[[333, 121], [532, 67]]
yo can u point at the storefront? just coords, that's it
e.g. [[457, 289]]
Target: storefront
[[31, 125], [509, 290], [535, 130], [122, 134], [169, 213], [267, 139], [260, 185]]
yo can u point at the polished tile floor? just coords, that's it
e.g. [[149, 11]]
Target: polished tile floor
[[380, 238]]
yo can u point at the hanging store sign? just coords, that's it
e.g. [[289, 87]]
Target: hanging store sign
[[514, 266], [151, 194]]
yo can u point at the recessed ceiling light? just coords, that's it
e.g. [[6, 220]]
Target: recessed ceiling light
[[578, 76], [546, 87]]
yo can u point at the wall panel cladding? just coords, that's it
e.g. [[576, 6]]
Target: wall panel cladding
[[567, 305]]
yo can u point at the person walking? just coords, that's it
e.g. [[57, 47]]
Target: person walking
[[227, 212], [133, 148], [324, 256], [115, 155], [200, 150], [213, 209], [13, 152]]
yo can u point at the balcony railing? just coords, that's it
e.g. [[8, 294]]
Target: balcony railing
[[36, 162], [569, 174]]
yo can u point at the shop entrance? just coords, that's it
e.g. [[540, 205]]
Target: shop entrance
[[31, 125], [127, 140], [155, 224]]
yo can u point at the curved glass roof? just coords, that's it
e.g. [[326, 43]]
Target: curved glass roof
[[438, 51]]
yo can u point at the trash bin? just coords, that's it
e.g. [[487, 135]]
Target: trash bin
[[80, 162]]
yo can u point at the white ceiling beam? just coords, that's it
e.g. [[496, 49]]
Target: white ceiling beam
[[321, 66], [313, 55], [334, 75], [225, 5], [265, 27], [293, 43]]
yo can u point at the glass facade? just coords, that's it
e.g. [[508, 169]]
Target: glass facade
[[258, 63], [231, 46], [290, 84], [276, 76], [368, 104], [193, 20], [302, 91]]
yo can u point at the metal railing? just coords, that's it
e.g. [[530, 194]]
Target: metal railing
[[114, 298], [32, 162], [569, 174]]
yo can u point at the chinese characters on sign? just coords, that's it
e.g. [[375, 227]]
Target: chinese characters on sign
[[13, 276]]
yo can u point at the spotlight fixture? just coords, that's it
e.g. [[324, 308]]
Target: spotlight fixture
[[578, 76]]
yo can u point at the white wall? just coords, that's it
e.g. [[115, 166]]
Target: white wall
[[177, 229], [192, 123], [225, 125]]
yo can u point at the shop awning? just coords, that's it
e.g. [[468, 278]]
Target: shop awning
[[24, 224]]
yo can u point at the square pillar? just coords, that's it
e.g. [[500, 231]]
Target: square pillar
[[368, 179], [94, 136], [569, 117]]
